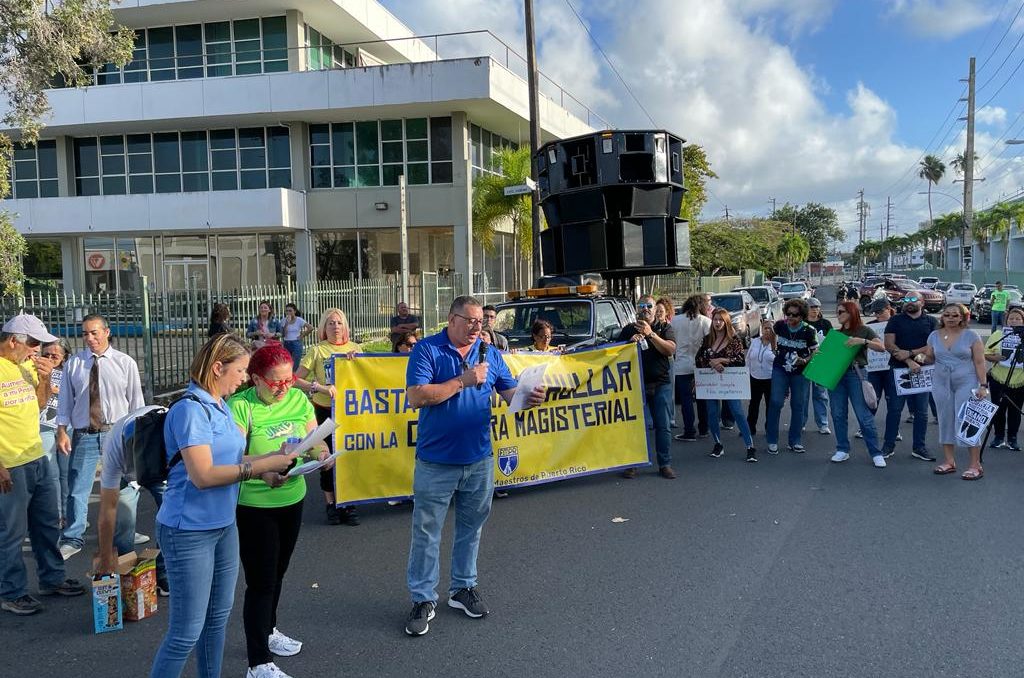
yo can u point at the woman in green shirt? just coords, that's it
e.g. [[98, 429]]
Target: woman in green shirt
[[1007, 420], [269, 512]]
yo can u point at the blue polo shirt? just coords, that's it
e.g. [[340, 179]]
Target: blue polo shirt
[[457, 431], [190, 423]]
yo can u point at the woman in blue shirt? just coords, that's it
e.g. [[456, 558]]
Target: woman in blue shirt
[[196, 523]]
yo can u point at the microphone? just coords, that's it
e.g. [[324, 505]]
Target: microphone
[[483, 357]]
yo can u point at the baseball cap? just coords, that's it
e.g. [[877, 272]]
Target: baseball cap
[[27, 324], [879, 305], [813, 302]]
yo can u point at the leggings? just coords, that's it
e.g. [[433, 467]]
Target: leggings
[[760, 389], [326, 477], [266, 539], [1007, 420]]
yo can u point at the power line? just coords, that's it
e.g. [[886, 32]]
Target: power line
[[610, 64], [1005, 82], [1005, 33]]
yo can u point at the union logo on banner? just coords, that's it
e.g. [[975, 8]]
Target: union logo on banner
[[508, 460]]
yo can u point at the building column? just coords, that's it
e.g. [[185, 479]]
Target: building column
[[72, 255], [462, 225], [65, 167], [296, 31], [305, 245]]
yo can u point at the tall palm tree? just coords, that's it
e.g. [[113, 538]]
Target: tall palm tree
[[932, 170], [794, 250], [959, 161], [1002, 217], [492, 209]]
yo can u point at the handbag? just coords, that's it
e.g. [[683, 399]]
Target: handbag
[[870, 397]]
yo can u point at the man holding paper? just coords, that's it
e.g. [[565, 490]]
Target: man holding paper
[[450, 378]]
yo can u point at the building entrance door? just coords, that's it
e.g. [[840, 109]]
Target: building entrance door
[[180, 273]]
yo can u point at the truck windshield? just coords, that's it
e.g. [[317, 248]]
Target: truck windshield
[[570, 319]]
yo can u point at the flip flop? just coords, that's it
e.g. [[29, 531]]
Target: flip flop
[[973, 474], [943, 469]]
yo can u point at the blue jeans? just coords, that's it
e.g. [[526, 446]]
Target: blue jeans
[[203, 569], [434, 487], [85, 453], [819, 398], [737, 413], [30, 508], [295, 348], [796, 385], [659, 403], [685, 400], [49, 437], [918, 405], [997, 319], [849, 390], [124, 528]]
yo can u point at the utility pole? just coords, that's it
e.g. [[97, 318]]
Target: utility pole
[[773, 208], [966, 254], [862, 214], [531, 67], [726, 213], [888, 216]]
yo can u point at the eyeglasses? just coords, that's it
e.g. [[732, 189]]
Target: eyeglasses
[[641, 307], [408, 344], [472, 322], [790, 314], [52, 356], [278, 385]]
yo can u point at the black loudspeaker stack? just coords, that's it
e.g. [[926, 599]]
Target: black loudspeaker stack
[[611, 200]]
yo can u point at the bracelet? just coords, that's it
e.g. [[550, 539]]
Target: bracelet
[[246, 470], [313, 386]]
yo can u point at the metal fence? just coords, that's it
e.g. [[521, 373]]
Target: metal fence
[[164, 331]]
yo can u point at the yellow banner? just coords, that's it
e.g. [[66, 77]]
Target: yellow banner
[[592, 421]]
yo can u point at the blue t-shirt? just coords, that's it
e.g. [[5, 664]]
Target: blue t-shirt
[[191, 423], [457, 431], [910, 333]]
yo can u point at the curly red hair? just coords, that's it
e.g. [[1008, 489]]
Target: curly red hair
[[267, 358]]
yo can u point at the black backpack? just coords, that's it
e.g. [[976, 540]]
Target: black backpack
[[144, 451]]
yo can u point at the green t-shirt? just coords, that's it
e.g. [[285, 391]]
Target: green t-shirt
[[271, 426], [864, 332], [1000, 298]]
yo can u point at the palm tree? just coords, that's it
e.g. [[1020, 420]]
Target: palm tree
[[932, 170], [493, 209], [959, 161], [794, 250], [1002, 217]]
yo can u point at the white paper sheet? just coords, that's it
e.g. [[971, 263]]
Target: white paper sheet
[[529, 379], [314, 438]]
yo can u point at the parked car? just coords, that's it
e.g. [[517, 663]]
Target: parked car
[[928, 282], [743, 310], [796, 290], [782, 280], [767, 299], [775, 283], [579, 320], [960, 293], [896, 289], [981, 305], [941, 286]]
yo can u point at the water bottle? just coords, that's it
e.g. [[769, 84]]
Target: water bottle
[[643, 344]]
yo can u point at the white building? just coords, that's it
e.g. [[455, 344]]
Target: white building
[[253, 140]]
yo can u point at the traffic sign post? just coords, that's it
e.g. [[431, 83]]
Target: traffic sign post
[[521, 189]]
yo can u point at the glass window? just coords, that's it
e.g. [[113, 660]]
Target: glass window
[[417, 173], [136, 69], [108, 74], [46, 152], [189, 44], [319, 134], [252, 152], [366, 142], [391, 130], [275, 44], [441, 138], [320, 177], [247, 46], [368, 176], [166, 153], [253, 179], [193, 152], [440, 173], [313, 58], [344, 177], [161, 53], [343, 143], [276, 254], [218, 48], [278, 150]]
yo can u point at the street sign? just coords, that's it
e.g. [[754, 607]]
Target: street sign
[[521, 189]]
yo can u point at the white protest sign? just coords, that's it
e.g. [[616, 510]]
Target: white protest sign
[[974, 417], [878, 361], [732, 383], [909, 383]]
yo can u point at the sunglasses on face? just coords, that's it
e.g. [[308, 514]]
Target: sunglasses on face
[[408, 344], [641, 307], [909, 300], [278, 385], [790, 314]]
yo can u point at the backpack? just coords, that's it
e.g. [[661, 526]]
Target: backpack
[[144, 450]]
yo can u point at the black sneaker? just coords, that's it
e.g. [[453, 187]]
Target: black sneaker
[[922, 454], [729, 427], [333, 516], [996, 443], [468, 600], [686, 437], [1011, 444], [717, 451], [751, 454], [24, 605], [798, 448], [705, 434], [348, 516], [888, 452], [68, 588], [418, 621]]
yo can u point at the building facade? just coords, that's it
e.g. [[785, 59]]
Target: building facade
[[253, 141]]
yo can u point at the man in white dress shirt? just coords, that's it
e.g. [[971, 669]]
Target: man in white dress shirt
[[99, 386]]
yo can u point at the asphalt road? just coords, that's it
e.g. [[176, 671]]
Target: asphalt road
[[793, 566]]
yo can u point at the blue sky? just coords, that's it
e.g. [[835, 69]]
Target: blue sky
[[801, 100]]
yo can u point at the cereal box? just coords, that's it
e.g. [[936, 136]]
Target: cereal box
[[106, 603], [138, 584]]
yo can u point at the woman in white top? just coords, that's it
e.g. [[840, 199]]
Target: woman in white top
[[760, 357], [294, 329], [690, 326]]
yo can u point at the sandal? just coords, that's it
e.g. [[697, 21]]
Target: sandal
[[973, 474], [943, 469]]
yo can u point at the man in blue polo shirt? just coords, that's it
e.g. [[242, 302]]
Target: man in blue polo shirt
[[450, 382]]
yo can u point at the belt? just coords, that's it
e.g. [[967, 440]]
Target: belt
[[101, 429]]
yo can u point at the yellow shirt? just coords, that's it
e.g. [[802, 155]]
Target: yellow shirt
[[315, 361], [999, 372], [19, 414]]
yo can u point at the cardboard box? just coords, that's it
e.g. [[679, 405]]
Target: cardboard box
[[106, 603], [138, 584]]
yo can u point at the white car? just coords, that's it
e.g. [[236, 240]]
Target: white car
[[795, 290], [961, 293]]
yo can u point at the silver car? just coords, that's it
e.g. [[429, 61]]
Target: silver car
[[795, 290], [767, 298]]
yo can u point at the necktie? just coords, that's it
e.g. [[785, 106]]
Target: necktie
[[95, 407]]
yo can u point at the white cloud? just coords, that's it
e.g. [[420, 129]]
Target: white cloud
[[942, 18], [991, 115]]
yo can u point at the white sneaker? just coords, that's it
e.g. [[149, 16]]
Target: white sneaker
[[899, 436], [268, 670], [840, 457], [858, 434], [283, 646], [773, 449], [824, 430], [878, 461], [141, 538], [67, 550]]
